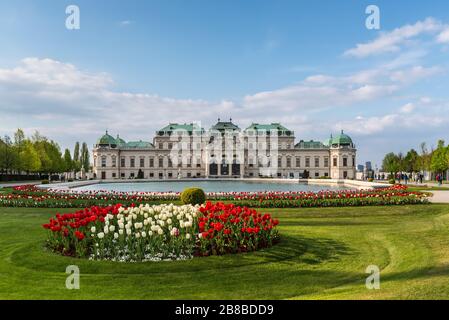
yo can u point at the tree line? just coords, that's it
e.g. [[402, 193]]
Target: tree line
[[37, 155], [434, 160]]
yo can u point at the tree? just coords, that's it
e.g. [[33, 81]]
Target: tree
[[76, 158], [29, 158], [439, 161], [424, 158], [391, 163], [411, 161], [19, 141], [8, 156], [68, 162], [85, 158]]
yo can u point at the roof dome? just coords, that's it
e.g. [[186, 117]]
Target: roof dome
[[342, 139], [106, 139], [119, 141], [328, 142]]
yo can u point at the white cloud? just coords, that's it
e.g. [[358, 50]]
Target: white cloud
[[407, 108], [443, 37], [414, 74], [392, 41]]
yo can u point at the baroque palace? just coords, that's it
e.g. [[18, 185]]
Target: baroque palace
[[224, 151]]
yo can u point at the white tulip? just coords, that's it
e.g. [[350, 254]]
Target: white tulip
[[93, 229], [100, 235], [116, 235], [112, 228]]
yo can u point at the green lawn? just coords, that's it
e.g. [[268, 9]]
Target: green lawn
[[323, 255]]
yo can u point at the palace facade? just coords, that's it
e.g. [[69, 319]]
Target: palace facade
[[224, 151]]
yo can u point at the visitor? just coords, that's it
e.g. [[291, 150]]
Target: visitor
[[405, 178], [440, 179]]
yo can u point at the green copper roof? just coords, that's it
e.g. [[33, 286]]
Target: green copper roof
[[269, 127], [120, 142], [328, 142], [342, 139], [106, 139], [191, 127], [310, 145], [138, 145], [225, 126]]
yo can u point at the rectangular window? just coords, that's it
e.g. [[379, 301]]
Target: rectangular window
[[317, 162], [151, 162], [114, 175], [326, 162], [170, 175], [161, 175], [151, 175], [289, 162], [132, 175], [189, 162], [122, 175], [161, 162], [142, 162], [307, 162], [326, 174], [279, 162], [189, 174], [122, 162], [170, 163], [353, 161], [133, 163], [114, 161], [298, 162], [170, 146], [345, 162], [103, 162], [317, 174], [161, 146], [334, 162]]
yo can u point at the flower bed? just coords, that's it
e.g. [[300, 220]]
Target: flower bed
[[160, 232], [31, 196]]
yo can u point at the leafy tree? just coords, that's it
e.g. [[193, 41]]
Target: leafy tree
[[76, 158], [8, 156], [19, 141], [411, 163], [439, 161], [391, 163], [29, 157], [68, 162], [424, 158], [85, 158]]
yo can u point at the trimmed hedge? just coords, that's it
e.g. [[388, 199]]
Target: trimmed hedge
[[193, 196]]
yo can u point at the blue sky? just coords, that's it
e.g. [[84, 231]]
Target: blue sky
[[136, 65]]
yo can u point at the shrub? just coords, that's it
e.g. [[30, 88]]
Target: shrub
[[45, 181], [193, 196], [370, 180], [392, 181]]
